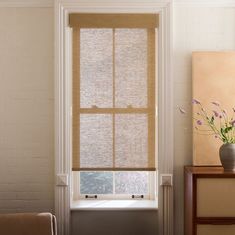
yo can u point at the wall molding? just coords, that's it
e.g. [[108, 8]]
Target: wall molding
[[63, 101], [33, 3], [182, 3], [204, 3]]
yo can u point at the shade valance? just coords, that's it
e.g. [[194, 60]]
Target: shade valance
[[84, 20]]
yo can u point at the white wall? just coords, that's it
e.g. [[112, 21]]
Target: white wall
[[26, 109], [195, 29]]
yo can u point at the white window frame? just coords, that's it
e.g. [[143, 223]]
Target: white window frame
[[63, 102]]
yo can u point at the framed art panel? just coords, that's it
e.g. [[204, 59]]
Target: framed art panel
[[213, 79]]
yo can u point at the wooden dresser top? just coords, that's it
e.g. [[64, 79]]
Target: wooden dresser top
[[208, 170]]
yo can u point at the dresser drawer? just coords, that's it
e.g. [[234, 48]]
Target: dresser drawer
[[216, 197], [215, 229]]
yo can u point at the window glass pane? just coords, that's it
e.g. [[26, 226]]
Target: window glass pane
[[131, 182], [131, 67], [131, 142], [96, 140], [96, 67], [96, 182]]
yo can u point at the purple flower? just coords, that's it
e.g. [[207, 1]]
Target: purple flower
[[232, 123], [216, 113], [215, 103], [199, 122], [194, 101], [182, 110]]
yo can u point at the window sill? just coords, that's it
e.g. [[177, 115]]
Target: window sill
[[114, 205]]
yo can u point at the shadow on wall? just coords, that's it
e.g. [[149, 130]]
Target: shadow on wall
[[114, 222]]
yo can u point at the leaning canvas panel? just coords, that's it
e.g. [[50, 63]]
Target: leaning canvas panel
[[213, 75]]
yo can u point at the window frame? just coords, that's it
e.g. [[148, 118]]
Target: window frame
[[63, 101], [152, 195]]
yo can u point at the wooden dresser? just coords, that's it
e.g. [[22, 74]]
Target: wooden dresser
[[209, 201]]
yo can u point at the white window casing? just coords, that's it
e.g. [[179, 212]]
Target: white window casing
[[63, 78]]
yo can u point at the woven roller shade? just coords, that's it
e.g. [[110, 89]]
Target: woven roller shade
[[113, 92], [84, 20]]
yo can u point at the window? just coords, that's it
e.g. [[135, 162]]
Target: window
[[114, 185], [114, 104]]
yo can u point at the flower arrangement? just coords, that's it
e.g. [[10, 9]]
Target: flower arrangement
[[217, 122]]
